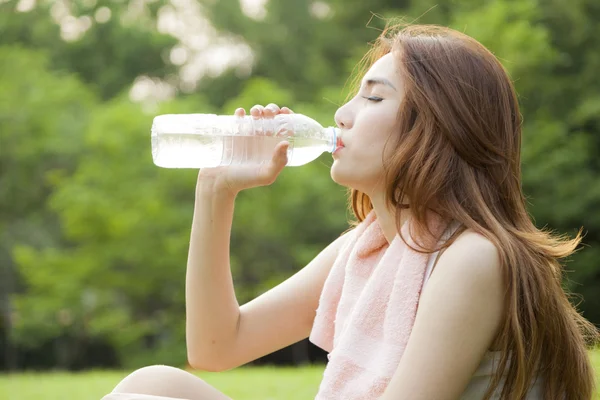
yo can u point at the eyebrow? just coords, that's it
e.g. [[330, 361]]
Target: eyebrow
[[379, 81]]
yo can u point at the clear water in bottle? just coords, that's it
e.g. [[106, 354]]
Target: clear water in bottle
[[207, 140]]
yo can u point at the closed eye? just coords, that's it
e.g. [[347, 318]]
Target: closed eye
[[373, 98]]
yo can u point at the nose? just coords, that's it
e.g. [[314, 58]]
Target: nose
[[343, 117]]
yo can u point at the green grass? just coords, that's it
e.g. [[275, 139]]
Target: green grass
[[247, 383], [596, 361]]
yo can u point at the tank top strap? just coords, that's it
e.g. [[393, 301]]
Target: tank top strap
[[452, 227]]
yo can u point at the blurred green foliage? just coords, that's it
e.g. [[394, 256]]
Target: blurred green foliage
[[94, 237]]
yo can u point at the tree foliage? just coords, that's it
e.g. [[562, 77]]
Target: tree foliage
[[94, 237]]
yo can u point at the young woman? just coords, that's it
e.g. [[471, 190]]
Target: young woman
[[445, 289]]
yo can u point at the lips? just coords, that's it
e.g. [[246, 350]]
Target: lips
[[338, 145]]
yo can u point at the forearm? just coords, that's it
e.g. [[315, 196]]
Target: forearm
[[212, 310]]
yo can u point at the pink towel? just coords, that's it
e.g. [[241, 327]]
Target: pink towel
[[367, 310]]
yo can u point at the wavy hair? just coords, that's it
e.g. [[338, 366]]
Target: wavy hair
[[457, 153]]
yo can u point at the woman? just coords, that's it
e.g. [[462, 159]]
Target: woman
[[444, 290]]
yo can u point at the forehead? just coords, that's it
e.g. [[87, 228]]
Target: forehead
[[385, 67]]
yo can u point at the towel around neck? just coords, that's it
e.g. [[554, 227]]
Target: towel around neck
[[367, 308]]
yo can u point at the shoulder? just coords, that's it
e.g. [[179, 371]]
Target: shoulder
[[459, 314], [467, 286], [473, 256], [470, 267]]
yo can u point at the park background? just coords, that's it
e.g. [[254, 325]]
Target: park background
[[94, 237]]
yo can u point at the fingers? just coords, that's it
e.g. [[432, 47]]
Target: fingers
[[240, 112], [269, 111], [257, 111]]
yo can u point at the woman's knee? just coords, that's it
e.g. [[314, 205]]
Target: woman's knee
[[166, 381], [147, 377]]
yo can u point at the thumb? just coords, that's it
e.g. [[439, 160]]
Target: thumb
[[277, 163]]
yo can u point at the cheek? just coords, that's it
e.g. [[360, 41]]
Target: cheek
[[360, 166], [373, 149], [375, 129]]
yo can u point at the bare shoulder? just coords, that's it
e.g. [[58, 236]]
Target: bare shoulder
[[472, 258], [472, 246], [459, 314]]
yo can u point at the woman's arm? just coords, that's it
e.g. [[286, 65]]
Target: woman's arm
[[222, 335], [459, 314]]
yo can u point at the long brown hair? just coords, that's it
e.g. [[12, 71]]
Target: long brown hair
[[457, 153]]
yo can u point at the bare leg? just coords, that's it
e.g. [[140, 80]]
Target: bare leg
[[160, 382]]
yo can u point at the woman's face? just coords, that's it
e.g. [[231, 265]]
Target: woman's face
[[366, 122]]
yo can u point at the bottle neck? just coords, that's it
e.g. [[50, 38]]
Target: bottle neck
[[331, 133]]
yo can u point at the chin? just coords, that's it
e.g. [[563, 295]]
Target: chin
[[336, 174], [347, 177], [342, 177]]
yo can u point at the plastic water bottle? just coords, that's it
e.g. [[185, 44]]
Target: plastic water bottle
[[209, 140]]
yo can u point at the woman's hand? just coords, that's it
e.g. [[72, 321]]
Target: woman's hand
[[235, 178]]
